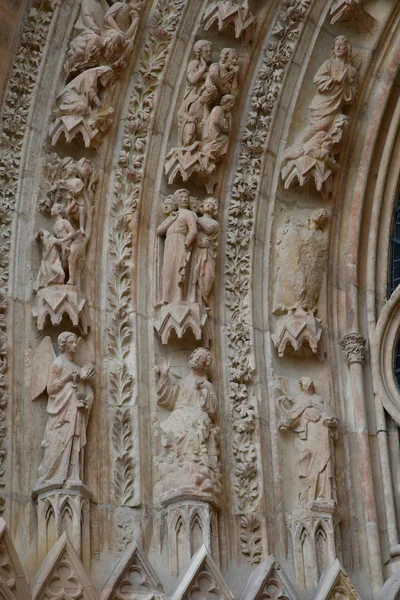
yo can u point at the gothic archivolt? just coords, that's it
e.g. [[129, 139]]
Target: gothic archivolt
[[196, 377]]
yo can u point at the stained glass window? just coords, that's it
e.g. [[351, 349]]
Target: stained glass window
[[395, 266]]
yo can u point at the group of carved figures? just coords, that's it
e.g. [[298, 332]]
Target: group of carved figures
[[188, 459], [205, 116], [101, 45], [190, 231], [68, 200], [301, 262], [312, 156]]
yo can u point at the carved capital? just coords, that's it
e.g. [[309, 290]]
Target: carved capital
[[354, 345]]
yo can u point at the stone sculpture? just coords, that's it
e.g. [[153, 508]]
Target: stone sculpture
[[121, 22], [206, 250], [224, 74], [70, 398], [69, 201], [315, 423], [205, 117], [86, 47], [312, 156], [51, 271], [226, 14], [72, 184], [302, 254], [180, 230], [84, 106], [180, 308], [189, 455], [103, 34], [351, 11]]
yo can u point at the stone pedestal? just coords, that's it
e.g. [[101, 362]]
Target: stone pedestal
[[62, 510], [191, 524], [313, 532]]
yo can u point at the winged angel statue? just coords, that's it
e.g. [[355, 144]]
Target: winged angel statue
[[70, 398]]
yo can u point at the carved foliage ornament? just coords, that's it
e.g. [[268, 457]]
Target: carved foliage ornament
[[354, 347], [14, 120], [127, 188], [238, 260]]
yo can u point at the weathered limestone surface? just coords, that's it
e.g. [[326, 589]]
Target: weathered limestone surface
[[198, 397]]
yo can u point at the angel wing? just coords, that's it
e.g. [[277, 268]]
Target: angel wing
[[41, 365]]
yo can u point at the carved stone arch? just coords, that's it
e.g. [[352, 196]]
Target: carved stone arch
[[335, 580], [391, 589], [120, 586], [269, 578], [13, 583], [62, 568], [201, 566], [196, 521]]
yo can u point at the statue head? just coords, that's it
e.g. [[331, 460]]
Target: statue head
[[211, 206], [200, 360], [56, 209], [181, 198], [67, 342], [85, 168], [228, 102], [341, 48], [203, 49], [319, 217], [106, 77], [208, 93], [195, 205], [229, 57], [169, 204], [306, 384]]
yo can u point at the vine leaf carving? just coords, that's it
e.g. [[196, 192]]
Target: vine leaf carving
[[122, 436], [238, 252], [250, 538], [127, 189]]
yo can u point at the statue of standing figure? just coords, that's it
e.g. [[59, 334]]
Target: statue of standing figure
[[302, 255], [70, 398], [312, 155], [315, 424], [206, 250], [180, 231]]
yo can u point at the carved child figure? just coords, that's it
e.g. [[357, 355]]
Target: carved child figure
[[71, 242], [206, 250]]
